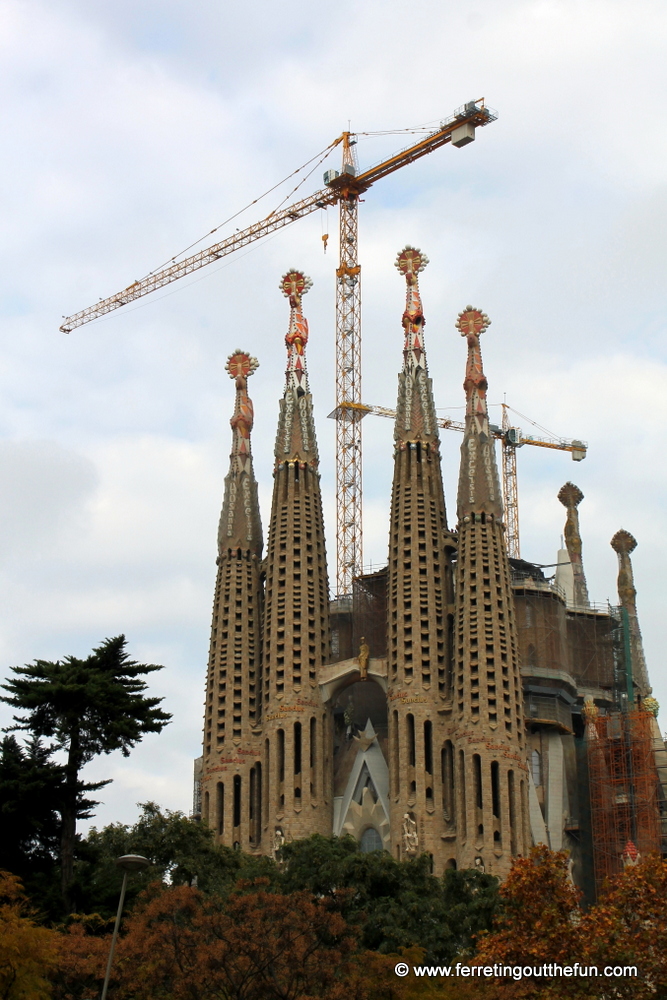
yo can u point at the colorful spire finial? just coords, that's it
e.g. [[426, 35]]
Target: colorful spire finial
[[479, 486], [472, 322], [294, 286], [296, 432], [239, 520], [240, 366], [410, 262]]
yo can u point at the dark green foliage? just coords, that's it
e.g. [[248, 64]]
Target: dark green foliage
[[29, 820], [88, 707], [394, 904], [182, 851], [471, 901]]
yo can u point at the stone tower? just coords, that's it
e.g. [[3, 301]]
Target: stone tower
[[571, 496], [488, 770], [623, 544], [296, 738], [232, 771], [420, 597]]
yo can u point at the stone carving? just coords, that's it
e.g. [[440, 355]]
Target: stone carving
[[630, 856], [278, 842], [364, 653], [590, 713], [651, 705], [410, 835]]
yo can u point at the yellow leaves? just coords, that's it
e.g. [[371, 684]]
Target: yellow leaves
[[27, 952]]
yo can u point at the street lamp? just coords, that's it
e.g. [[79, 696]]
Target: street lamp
[[129, 863]]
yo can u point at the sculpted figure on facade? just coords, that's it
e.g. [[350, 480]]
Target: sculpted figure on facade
[[278, 843], [364, 654], [410, 835]]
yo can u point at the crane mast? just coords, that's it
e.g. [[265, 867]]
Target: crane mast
[[510, 438], [349, 526], [343, 188], [510, 489]]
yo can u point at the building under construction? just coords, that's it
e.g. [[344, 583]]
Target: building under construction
[[457, 702]]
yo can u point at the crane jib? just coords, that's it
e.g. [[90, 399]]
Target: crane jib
[[473, 114]]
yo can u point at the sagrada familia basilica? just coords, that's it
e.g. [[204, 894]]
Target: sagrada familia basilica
[[459, 703]]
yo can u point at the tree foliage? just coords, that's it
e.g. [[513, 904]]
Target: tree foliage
[[541, 922], [629, 927], [395, 904], [184, 945], [181, 850], [27, 951], [30, 786], [88, 707]]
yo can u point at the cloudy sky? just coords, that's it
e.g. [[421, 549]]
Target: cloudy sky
[[131, 129]]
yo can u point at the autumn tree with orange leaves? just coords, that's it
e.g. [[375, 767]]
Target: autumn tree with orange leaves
[[183, 945], [27, 951]]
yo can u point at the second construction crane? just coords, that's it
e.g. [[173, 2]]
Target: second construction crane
[[344, 188], [510, 438]]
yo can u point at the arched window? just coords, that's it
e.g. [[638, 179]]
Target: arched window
[[370, 841]]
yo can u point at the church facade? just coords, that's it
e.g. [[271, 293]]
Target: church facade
[[440, 708]]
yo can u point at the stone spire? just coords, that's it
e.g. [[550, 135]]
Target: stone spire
[[231, 766], [623, 544], [420, 604], [479, 485], [295, 439], [415, 409], [571, 496], [489, 771], [297, 760], [239, 521]]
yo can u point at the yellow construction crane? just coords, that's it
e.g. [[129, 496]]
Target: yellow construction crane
[[511, 438], [344, 188]]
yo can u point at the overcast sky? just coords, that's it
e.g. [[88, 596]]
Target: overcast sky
[[132, 127]]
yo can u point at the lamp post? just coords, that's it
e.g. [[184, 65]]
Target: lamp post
[[129, 863]]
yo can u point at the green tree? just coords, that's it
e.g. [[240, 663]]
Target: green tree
[[89, 707], [29, 795], [394, 904], [181, 850]]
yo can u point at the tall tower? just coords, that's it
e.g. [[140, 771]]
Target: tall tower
[[296, 751], [231, 777], [489, 771], [420, 595], [571, 496], [623, 544]]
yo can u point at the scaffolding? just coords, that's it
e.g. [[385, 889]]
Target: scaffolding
[[369, 598], [624, 790]]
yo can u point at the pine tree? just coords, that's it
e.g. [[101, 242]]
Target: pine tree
[[88, 707], [29, 795]]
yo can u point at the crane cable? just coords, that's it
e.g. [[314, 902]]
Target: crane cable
[[318, 156]]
